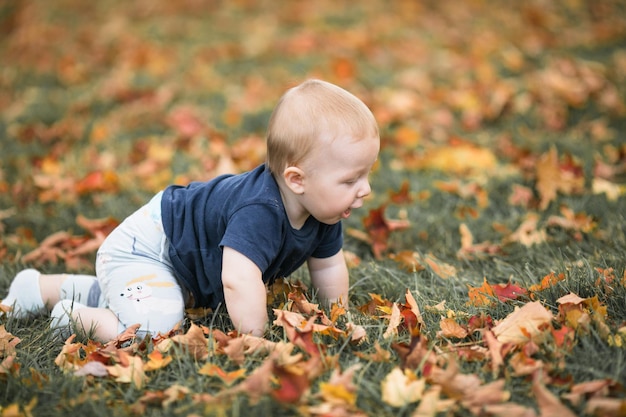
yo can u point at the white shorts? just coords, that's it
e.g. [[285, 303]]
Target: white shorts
[[136, 276]]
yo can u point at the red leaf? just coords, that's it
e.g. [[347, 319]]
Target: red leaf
[[509, 291], [378, 229]]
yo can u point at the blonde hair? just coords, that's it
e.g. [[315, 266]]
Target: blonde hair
[[310, 112]]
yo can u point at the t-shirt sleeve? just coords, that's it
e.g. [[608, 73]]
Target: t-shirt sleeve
[[331, 242], [255, 231]]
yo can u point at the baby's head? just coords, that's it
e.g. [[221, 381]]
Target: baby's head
[[311, 115]]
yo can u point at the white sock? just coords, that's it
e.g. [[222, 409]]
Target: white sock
[[25, 295], [62, 323]]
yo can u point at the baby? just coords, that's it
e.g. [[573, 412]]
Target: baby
[[222, 241]]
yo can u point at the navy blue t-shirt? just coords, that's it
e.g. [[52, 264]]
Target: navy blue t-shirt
[[244, 212]]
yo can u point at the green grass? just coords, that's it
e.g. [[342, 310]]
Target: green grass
[[90, 87]]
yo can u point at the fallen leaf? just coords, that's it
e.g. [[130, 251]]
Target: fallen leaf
[[403, 195], [193, 342], [228, 378], [340, 387], [554, 176], [481, 296], [459, 157], [549, 404], [8, 352], [379, 228], [606, 407], [400, 388], [528, 233], [547, 281], [131, 372], [394, 321], [412, 303], [440, 268], [523, 324], [432, 404], [94, 368], [156, 360], [509, 291], [451, 329], [470, 250]]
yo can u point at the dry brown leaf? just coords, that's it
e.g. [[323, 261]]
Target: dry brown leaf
[[606, 407], [509, 410], [470, 250], [553, 177], [394, 321], [549, 404], [410, 300], [129, 370], [454, 384], [523, 324], [528, 233], [432, 404], [239, 347], [8, 352], [495, 350], [440, 268], [193, 342], [483, 395], [450, 328]]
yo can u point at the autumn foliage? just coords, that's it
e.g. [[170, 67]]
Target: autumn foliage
[[487, 267]]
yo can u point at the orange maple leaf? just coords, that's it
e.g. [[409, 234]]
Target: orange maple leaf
[[481, 296], [547, 281], [211, 369], [156, 360]]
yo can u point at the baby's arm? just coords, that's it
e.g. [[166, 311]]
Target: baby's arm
[[244, 293], [329, 277]]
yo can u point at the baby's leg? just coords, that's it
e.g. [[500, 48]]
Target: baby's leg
[[35, 293], [136, 276], [80, 288], [69, 316]]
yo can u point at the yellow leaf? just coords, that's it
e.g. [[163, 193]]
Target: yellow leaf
[[460, 158], [340, 388], [401, 388]]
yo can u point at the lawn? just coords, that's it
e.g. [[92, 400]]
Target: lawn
[[488, 267]]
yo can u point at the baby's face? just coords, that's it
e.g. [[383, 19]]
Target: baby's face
[[337, 177]]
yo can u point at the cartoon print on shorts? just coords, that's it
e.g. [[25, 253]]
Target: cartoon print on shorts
[[140, 292]]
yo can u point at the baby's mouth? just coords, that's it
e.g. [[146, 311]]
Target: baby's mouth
[[346, 213]]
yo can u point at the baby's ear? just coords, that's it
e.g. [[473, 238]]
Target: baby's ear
[[294, 179]]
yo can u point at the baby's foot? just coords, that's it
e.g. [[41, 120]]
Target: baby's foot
[[25, 295]]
